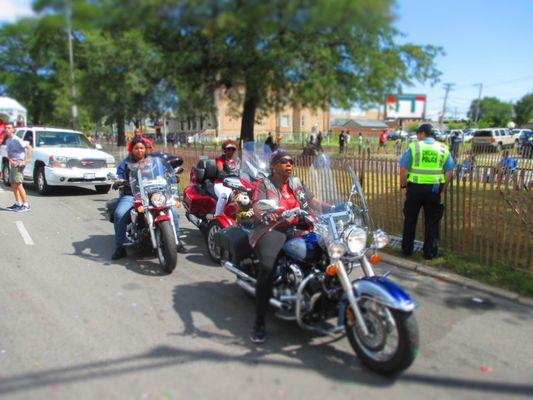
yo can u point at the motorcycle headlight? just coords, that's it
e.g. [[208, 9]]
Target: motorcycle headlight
[[355, 239], [336, 249], [381, 239], [158, 199]]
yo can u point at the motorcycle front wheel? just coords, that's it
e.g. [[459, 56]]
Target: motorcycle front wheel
[[166, 246], [392, 343]]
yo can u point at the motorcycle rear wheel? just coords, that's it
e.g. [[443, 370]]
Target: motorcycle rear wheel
[[392, 343], [213, 250], [166, 250]]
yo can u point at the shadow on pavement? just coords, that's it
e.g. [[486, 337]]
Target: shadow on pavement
[[99, 248], [62, 191]]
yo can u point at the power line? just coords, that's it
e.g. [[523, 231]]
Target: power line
[[447, 88]]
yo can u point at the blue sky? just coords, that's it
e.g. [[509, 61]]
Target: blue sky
[[485, 41]]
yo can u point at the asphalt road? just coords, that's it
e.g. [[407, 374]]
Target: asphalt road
[[75, 325]]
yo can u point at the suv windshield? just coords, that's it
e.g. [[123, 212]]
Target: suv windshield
[[62, 139]]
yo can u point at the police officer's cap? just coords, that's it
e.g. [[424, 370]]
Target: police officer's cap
[[427, 129]]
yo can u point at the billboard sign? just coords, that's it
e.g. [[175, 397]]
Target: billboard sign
[[409, 106]]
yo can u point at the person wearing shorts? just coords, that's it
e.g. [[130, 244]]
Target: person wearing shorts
[[18, 154]]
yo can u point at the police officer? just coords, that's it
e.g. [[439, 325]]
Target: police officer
[[425, 170]]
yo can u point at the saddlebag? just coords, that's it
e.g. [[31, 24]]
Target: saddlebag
[[198, 202], [235, 241]]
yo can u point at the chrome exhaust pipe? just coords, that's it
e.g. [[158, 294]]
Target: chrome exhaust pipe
[[240, 274], [251, 290], [194, 219]]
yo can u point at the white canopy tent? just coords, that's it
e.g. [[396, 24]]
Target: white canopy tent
[[12, 111]]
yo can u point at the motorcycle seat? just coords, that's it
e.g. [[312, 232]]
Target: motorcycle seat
[[206, 170]]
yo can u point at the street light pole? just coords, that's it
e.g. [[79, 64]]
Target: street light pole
[[71, 62], [478, 101]]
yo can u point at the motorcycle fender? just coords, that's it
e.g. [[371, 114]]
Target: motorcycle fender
[[225, 221], [385, 291], [161, 218]]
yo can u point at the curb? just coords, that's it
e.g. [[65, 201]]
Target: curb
[[455, 278]]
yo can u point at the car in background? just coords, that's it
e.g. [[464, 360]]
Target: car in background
[[492, 139], [62, 157], [526, 146], [398, 135], [521, 135], [469, 135]]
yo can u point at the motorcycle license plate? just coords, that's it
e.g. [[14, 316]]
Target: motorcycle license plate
[[88, 176]]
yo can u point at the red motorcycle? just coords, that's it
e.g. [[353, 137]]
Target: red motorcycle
[[200, 201]]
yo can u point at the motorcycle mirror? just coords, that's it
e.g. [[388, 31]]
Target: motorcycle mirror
[[267, 204], [175, 162], [178, 170]]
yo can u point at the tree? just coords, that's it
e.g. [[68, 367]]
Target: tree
[[269, 54], [492, 112], [524, 109], [30, 58], [117, 77]]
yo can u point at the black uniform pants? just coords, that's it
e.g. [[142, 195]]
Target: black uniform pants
[[267, 251], [422, 196]]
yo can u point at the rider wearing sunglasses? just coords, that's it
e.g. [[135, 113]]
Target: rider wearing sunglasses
[[290, 192]]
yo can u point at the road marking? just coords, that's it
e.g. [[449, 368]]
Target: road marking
[[24, 233]]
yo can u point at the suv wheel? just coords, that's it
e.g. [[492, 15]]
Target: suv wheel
[[40, 181]]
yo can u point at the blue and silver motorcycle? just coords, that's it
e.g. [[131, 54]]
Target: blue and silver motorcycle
[[325, 278]]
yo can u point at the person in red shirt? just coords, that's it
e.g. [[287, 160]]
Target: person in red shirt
[[228, 164], [150, 148], [290, 193]]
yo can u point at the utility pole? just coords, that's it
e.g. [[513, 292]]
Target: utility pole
[[71, 61], [478, 101], [447, 88]]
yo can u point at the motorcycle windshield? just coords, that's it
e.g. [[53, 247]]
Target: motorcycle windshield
[[149, 175], [331, 180]]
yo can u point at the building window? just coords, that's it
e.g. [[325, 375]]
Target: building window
[[285, 121]]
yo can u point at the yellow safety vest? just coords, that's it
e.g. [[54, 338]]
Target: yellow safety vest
[[427, 166]]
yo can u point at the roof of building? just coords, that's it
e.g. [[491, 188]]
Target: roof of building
[[358, 123]]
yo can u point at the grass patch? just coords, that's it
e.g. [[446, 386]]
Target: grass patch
[[505, 277]]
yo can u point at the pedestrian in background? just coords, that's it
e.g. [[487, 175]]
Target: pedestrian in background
[[360, 143], [398, 146], [319, 139], [425, 170], [270, 142], [279, 139], [382, 139], [342, 140], [18, 155]]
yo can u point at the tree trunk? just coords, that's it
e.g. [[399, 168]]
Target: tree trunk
[[248, 114], [121, 131]]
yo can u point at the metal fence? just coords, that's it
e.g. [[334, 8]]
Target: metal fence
[[488, 211]]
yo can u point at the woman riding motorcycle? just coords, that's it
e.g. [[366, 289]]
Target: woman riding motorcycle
[[227, 164], [125, 204], [290, 193]]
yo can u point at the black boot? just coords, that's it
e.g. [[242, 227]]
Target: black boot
[[120, 252], [258, 335], [180, 248]]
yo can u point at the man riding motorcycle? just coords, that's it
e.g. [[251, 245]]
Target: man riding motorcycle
[[125, 204], [227, 164], [290, 193]]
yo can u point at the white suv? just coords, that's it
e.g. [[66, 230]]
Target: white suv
[[492, 139], [62, 157]]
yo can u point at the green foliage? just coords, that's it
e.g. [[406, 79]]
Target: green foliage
[[524, 109], [270, 54], [492, 112]]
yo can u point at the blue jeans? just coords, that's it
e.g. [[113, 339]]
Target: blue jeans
[[122, 217]]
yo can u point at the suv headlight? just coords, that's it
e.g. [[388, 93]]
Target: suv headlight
[[110, 163], [58, 161], [381, 239], [355, 239], [158, 199]]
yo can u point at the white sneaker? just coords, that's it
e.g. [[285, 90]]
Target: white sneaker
[[23, 208]]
